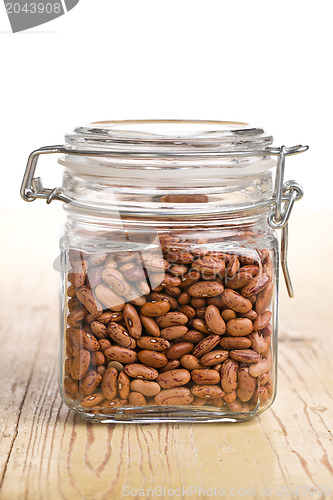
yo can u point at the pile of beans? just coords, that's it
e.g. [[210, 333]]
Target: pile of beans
[[185, 326]]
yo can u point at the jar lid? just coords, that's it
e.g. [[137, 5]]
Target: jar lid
[[169, 137]]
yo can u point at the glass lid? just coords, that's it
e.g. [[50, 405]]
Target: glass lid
[[170, 137]]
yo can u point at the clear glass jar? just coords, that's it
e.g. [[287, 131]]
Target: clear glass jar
[[169, 269]]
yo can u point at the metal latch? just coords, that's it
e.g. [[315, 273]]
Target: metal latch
[[285, 195]]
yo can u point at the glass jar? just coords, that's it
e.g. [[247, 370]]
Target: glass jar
[[170, 265]]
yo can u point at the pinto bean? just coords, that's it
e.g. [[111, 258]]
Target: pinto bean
[[239, 327], [172, 364], [92, 400], [119, 335], [242, 277], [86, 297], [178, 350], [132, 321], [206, 345], [209, 265], [214, 320], [164, 296], [190, 362], [193, 336], [264, 298], [235, 301], [256, 285], [228, 314], [229, 372], [120, 354], [173, 378], [109, 383], [172, 318], [145, 387], [245, 356], [236, 342], [246, 384], [137, 399], [152, 358], [109, 298], [262, 320], [98, 329], [214, 357], [207, 391], [155, 309], [188, 311], [176, 396], [173, 332], [205, 289], [136, 370], [205, 377], [80, 364], [153, 344], [150, 325], [89, 383]]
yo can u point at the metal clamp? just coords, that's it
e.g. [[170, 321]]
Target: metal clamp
[[32, 187], [291, 192], [285, 195]]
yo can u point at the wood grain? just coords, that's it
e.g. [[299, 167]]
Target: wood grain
[[46, 452]]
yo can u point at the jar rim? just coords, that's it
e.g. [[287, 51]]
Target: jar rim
[[170, 136]]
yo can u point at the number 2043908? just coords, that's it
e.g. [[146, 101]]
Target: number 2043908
[[33, 8]]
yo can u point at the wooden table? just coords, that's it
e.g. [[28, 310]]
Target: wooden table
[[46, 452]]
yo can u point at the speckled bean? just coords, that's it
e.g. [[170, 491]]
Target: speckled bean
[[153, 344], [119, 335], [132, 321], [178, 350], [206, 345], [173, 332], [205, 377], [109, 383], [207, 391], [205, 289], [176, 396], [154, 309], [89, 383], [109, 298], [214, 357], [172, 318], [229, 375], [239, 327], [80, 364], [145, 387], [152, 358], [214, 320], [173, 378], [120, 354], [137, 370]]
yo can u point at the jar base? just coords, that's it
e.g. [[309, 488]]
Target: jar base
[[176, 414]]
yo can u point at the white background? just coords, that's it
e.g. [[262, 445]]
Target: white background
[[263, 62]]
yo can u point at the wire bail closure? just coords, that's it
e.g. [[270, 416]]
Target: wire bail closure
[[285, 194]]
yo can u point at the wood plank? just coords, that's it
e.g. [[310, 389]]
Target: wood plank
[[52, 454], [27, 300]]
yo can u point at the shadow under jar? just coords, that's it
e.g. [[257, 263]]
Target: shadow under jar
[[169, 268]]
